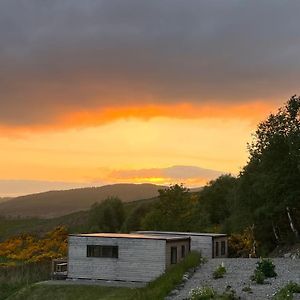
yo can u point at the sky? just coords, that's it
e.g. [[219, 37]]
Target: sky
[[101, 92]]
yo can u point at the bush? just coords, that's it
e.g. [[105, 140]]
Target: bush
[[208, 293], [286, 293], [219, 272], [259, 277], [267, 267], [202, 293]]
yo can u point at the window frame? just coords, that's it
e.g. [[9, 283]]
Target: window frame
[[102, 251]]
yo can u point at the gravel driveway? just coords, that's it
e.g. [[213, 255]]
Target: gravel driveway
[[238, 275]]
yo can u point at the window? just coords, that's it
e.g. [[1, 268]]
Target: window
[[217, 249], [182, 251], [173, 255], [223, 252], [102, 251]]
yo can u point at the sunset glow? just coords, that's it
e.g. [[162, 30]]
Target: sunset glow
[[98, 93]]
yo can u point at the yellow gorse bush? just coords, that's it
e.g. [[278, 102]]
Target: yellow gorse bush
[[30, 248]]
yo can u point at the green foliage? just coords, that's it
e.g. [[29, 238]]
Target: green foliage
[[216, 198], [258, 276], [135, 217], [219, 272], [208, 293], [264, 269], [13, 278], [202, 293], [173, 211], [267, 267], [78, 292], [286, 293], [107, 216], [242, 244], [268, 187], [247, 289]]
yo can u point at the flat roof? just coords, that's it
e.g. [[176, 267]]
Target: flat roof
[[130, 236], [183, 233]]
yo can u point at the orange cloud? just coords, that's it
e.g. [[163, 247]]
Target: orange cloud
[[189, 175], [253, 111]]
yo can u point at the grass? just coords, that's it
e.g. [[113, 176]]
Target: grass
[[286, 293], [13, 278], [80, 292], [219, 272], [158, 289]]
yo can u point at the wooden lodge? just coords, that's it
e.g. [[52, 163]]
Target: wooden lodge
[[211, 245], [127, 257]]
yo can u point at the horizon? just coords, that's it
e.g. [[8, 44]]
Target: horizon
[[138, 92]]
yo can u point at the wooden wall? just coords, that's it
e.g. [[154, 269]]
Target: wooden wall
[[202, 244], [178, 245], [219, 240], [139, 259]]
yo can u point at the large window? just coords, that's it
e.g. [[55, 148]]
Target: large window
[[102, 251], [223, 252]]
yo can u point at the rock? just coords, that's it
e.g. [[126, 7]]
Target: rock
[[287, 255]]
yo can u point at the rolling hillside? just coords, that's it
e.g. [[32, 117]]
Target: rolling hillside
[[3, 199], [58, 203]]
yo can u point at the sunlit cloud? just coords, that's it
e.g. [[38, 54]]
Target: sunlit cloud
[[253, 112], [189, 175]]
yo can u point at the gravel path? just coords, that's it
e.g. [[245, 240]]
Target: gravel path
[[238, 275]]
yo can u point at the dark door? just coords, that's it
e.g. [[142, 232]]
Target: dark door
[[173, 255]]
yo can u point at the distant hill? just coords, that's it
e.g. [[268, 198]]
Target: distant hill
[[3, 199], [58, 203]]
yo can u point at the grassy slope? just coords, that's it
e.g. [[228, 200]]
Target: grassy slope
[[76, 222], [157, 289], [58, 203], [49, 292]]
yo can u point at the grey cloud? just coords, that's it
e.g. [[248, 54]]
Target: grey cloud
[[173, 173], [64, 55]]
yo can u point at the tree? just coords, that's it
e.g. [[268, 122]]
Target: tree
[[216, 197], [269, 188], [107, 216], [173, 211]]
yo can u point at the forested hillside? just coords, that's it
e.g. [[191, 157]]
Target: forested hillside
[[58, 203]]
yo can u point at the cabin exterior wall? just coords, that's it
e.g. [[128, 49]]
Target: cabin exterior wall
[[178, 245], [138, 259], [202, 244], [220, 247]]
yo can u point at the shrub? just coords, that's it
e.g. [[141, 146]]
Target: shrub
[[208, 293], [229, 294], [219, 272], [242, 245], [286, 293], [259, 277], [202, 293], [267, 267], [247, 289]]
